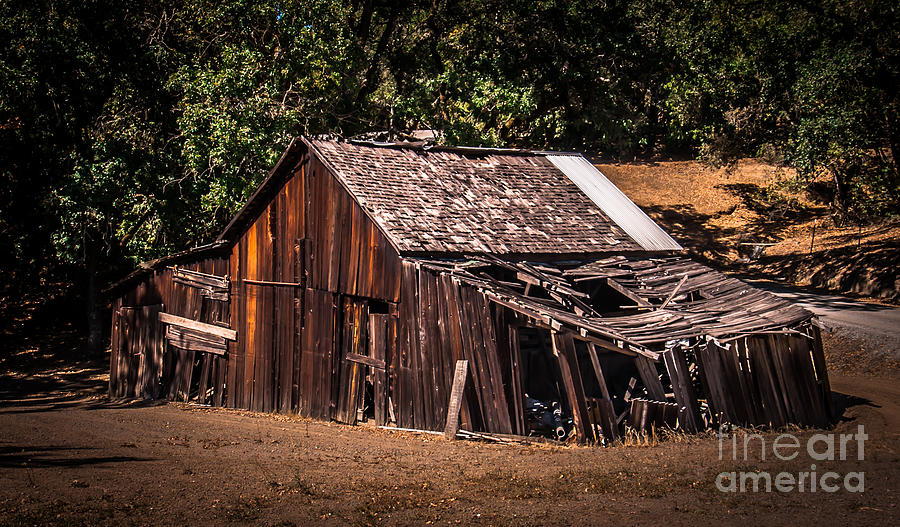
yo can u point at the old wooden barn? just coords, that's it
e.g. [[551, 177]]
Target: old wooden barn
[[358, 274]]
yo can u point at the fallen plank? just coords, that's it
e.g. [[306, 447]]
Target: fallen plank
[[367, 361], [456, 393]]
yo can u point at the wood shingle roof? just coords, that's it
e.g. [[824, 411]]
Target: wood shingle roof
[[458, 201]]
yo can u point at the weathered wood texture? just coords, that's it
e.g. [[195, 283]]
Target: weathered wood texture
[[348, 253], [308, 250], [648, 416], [564, 350], [136, 366], [173, 372], [456, 395], [381, 329], [766, 380], [680, 374], [440, 322]]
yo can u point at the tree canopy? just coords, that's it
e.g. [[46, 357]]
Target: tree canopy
[[131, 128]]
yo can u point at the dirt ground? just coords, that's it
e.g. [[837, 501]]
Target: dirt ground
[[69, 456]]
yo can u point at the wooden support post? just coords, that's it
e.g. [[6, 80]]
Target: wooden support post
[[456, 393], [378, 325], [818, 357], [647, 370], [564, 350], [689, 412], [605, 407]]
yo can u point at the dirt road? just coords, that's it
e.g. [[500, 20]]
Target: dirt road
[[876, 324], [71, 458]]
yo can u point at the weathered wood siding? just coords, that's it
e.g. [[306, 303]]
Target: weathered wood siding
[[311, 250], [314, 246], [133, 347], [442, 321]]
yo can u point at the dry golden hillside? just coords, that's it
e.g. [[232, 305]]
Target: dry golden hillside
[[713, 211]]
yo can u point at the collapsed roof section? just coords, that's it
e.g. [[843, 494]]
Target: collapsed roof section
[[657, 300]]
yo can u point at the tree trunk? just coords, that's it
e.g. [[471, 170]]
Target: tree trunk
[[840, 197], [95, 327]]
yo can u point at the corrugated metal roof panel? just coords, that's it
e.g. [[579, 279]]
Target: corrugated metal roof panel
[[614, 203]]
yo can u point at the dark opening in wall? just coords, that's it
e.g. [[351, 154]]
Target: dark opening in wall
[[379, 306]]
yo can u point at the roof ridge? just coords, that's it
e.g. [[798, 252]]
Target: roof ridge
[[423, 146]]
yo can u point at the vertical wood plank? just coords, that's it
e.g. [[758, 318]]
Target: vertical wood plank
[[650, 378], [378, 328], [564, 350], [456, 394], [676, 364]]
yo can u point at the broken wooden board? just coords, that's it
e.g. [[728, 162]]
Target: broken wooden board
[[202, 327], [456, 393]]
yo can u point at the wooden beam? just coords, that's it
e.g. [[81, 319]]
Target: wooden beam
[[595, 362], [166, 318], [628, 293], [267, 282], [650, 377], [564, 350], [689, 414], [366, 361], [211, 280], [584, 336], [604, 405], [193, 345], [674, 292]]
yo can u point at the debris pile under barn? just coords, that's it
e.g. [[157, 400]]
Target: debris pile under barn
[[359, 276]]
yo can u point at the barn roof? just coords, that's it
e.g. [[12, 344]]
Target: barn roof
[[490, 201]]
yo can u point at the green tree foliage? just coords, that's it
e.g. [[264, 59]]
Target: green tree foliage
[[131, 128]]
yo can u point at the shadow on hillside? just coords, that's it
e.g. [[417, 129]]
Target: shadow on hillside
[[696, 231], [693, 231], [774, 215], [868, 269]]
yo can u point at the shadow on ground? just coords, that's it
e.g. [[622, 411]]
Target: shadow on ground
[[842, 402], [30, 457]]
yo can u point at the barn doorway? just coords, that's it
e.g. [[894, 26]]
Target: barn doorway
[[361, 369]]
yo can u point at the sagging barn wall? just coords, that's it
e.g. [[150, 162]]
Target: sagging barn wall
[[141, 364], [766, 379]]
